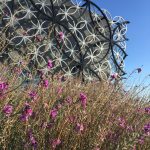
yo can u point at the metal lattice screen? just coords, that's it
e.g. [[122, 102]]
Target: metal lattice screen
[[80, 38]]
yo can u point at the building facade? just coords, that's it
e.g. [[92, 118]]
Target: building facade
[[80, 38]]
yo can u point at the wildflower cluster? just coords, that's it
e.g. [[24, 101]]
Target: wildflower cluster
[[26, 113], [3, 87], [53, 114]]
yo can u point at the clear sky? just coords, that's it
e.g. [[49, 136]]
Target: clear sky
[[138, 46]]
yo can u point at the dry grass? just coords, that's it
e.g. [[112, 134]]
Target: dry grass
[[112, 119]]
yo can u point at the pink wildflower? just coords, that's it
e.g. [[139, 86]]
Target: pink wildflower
[[55, 143], [7, 110], [46, 105], [38, 38], [69, 100], [29, 75], [79, 127], [83, 100], [72, 119], [54, 113], [49, 64], [32, 139], [61, 36], [59, 106], [27, 112], [147, 110], [44, 125], [122, 122], [147, 129], [17, 70], [141, 140], [113, 136], [45, 83], [140, 110], [134, 147], [24, 117], [63, 79], [50, 125], [41, 74], [96, 148], [129, 128], [114, 76], [3, 86], [33, 95], [33, 142], [59, 90]]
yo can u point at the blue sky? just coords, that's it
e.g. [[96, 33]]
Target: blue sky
[[138, 46]]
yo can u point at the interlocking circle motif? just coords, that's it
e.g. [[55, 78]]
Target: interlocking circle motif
[[79, 37]]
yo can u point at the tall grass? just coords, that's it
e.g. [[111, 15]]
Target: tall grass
[[70, 115]]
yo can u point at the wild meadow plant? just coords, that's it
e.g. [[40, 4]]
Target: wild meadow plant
[[69, 115]]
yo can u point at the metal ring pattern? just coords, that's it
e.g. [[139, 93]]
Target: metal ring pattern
[[78, 36]]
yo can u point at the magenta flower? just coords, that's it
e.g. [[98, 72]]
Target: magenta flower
[[27, 112], [61, 36], [113, 136], [24, 117], [3, 86], [59, 90], [129, 128], [122, 122], [45, 83], [7, 110], [83, 100], [141, 140], [49, 64], [114, 76], [147, 129], [79, 127], [139, 110], [54, 113], [33, 95], [147, 110], [38, 38], [50, 125], [55, 143], [69, 100], [72, 119], [134, 147], [96, 148], [63, 79], [29, 75], [43, 125], [59, 106], [41, 74], [32, 140], [17, 70]]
